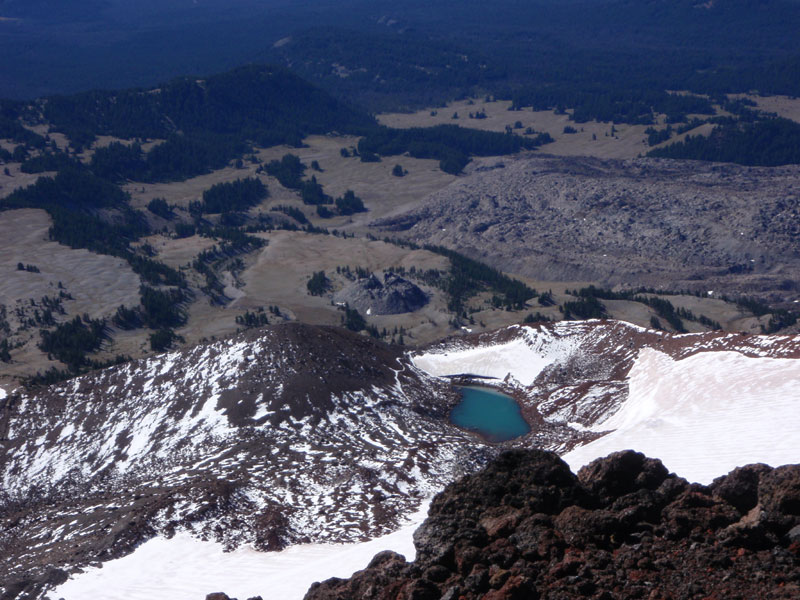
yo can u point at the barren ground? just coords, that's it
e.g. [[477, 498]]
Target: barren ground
[[665, 224]]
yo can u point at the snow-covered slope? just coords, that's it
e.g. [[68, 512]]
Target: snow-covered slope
[[519, 359], [292, 434], [703, 403], [553, 365], [185, 568], [705, 414]]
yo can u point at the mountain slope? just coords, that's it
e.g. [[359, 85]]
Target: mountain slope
[[705, 414], [704, 403], [186, 567], [291, 434], [295, 434]]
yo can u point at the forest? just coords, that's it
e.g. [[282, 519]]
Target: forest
[[202, 125], [583, 55], [73, 198], [234, 196], [288, 171], [764, 143], [468, 277], [609, 102], [450, 144], [199, 126], [71, 341], [178, 157], [12, 129], [227, 104]]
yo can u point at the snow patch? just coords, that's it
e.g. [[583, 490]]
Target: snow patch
[[522, 358], [706, 414], [186, 568]]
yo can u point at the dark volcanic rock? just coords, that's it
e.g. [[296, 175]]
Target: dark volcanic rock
[[740, 486], [527, 528], [393, 296], [622, 473]]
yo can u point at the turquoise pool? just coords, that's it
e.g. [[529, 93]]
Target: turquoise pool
[[495, 416]]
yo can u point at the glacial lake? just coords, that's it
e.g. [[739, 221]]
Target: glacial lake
[[493, 415]]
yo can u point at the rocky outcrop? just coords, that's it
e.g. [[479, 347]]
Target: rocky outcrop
[[642, 222], [623, 527], [392, 296]]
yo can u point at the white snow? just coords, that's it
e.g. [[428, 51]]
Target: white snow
[[706, 414], [185, 568], [3, 393], [514, 358], [522, 358]]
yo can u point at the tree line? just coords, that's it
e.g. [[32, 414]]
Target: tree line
[[766, 143], [71, 341], [450, 144], [205, 124], [238, 195]]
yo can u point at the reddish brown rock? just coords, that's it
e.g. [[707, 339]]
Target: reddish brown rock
[[527, 528]]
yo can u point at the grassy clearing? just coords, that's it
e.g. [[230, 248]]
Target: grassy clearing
[[590, 139], [383, 193], [783, 106], [96, 284], [16, 179], [275, 275]]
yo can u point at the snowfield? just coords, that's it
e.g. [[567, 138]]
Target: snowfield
[[702, 416], [521, 359], [186, 568], [706, 414], [515, 359]]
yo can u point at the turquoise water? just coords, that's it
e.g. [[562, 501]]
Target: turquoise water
[[493, 415]]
